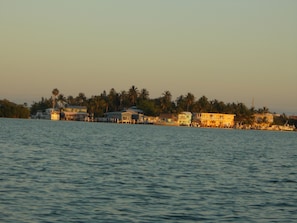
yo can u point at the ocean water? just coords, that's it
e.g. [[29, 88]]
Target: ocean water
[[55, 171]]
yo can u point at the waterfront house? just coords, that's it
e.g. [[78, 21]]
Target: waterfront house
[[185, 118], [217, 120], [167, 119], [49, 114], [150, 119], [137, 115], [69, 112], [130, 115], [262, 120], [264, 117], [118, 117], [55, 115], [75, 113]]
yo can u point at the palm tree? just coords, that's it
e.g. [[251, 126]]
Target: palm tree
[[144, 94], [113, 100], [96, 106], [133, 94], [55, 93], [81, 99], [180, 103], [104, 97], [166, 104], [61, 100], [243, 114], [203, 104], [190, 99], [70, 100]]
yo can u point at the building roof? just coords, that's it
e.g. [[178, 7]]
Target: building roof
[[75, 106], [134, 109]]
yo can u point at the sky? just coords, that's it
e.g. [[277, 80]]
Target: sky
[[229, 50]]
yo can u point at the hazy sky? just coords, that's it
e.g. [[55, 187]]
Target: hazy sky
[[230, 50]]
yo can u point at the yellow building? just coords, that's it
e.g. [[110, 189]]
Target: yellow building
[[184, 118], [263, 117], [55, 115], [262, 120], [217, 120]]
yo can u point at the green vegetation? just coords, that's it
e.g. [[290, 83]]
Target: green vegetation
[[116, 101], [11, 110], [283, 119], [41, 105]]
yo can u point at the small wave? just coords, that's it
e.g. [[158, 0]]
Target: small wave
[[282, 181]]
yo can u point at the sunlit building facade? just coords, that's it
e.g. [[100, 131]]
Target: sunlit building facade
[[217, 120]]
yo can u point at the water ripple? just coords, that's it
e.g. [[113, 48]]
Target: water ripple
[[94, 172]]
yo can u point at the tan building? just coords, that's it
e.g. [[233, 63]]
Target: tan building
[[167, 119], [75, 113], [265, 117], [217, 120], [119, 117], [262, 120], [131, 116]]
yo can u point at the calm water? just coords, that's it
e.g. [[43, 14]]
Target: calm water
[[97, 172]]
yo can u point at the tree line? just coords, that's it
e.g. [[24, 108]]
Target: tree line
[[11, 110], [116, 101]]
